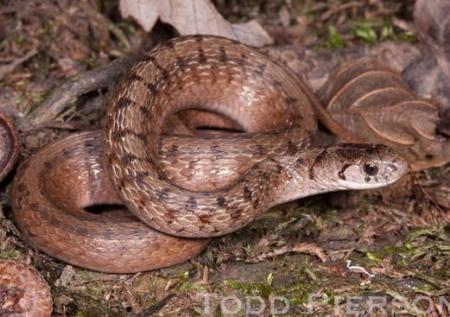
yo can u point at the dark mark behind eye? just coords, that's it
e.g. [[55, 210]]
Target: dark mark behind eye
[[342, 171], [317, 160]]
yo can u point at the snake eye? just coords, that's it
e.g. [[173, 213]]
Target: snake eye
[[370, 169]]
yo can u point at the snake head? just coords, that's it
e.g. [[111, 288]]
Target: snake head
[[365, 166]]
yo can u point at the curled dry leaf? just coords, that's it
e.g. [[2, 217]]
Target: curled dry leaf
[[193, 17], [372, 101]]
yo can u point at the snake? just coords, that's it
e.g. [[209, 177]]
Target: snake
[[265, 99], [167, 191]]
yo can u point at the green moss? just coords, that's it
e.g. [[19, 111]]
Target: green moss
[[366, 32], [10, 254], [185, 284], [335, 39], [254, 289]]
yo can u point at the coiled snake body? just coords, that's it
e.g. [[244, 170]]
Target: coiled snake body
[[179, 184], [261, 96]]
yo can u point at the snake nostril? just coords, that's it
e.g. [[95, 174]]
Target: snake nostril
[[391, 168]]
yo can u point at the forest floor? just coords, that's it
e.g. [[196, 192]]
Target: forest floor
[[339, 254]]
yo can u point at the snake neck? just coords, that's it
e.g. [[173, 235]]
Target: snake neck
[[303, 175]]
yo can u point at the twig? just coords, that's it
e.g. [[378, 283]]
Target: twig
[[308, 248], [158, 306], [69, 92], [6, 69]]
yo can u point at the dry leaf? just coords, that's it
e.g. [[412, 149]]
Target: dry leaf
[[430, 76], [193, 17]]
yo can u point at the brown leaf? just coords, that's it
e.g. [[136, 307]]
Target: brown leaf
[[193, 17]]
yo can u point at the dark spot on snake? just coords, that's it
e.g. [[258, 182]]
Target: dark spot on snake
[[144, 110], [162, 194], [48, 164], [223, 57], [217, 151], [141, 136], [236, 214], [173, 150], [124, 102], [152, 59], [128, 158], [299, 161], [54, 222], [141, 203], [350, 153], [204, 219], [201, 56], [140, 176], [290, 100], [247, 193], [260, 69], [367, 179], [317, 160], [191, 204], [34, 205], [122, 182], [260, 150], [170, 215], [221, 201], [82, 231], [277, 84], [152, 88], [66, 153], [242, 61], [90, 144], [179, 61], [135, 77], [291, 148], [198, 37], [21, 187], [149, 58]]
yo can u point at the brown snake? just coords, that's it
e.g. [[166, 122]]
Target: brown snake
[[259, 94], [181, 184]]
